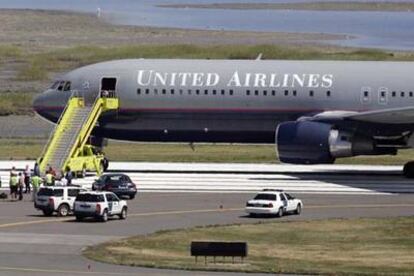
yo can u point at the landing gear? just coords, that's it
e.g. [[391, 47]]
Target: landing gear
[[408, 169]]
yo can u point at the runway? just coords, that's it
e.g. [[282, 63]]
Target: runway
[[246, 178], [31, 244]]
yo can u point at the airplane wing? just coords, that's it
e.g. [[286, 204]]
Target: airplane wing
[[385, 116]]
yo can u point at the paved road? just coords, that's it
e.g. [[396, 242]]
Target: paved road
[[184, 195], [34, 245]]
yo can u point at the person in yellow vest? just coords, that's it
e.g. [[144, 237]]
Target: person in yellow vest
[[36, 182], [13, 185], [49, 179]]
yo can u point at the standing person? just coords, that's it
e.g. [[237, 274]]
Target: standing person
[[13, 185], [21, 185], [36, 182], [36, 169], [27, 173], [49, 179], [69, 176]]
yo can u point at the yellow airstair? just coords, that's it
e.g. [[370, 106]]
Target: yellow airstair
[[67, 146]]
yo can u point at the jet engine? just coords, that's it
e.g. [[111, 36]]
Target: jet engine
[[307, 142]]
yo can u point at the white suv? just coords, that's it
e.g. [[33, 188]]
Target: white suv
[[56, 199], [273, 202], [100, 205]]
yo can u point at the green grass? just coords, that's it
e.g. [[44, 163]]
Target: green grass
[[334, 247], [22, 149], [10, 51], [17, 103], [39, 65]]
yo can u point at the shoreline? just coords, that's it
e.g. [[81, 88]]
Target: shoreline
[[303, 6]]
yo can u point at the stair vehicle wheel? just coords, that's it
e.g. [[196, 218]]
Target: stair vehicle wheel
[[63, 210], [408, 169], [280, 212], [104, 217], [124, 213], [298, 209]]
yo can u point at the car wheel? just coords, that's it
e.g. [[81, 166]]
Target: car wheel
[[298, 209], [79, 218], [104, 217], [47, 213], [63, 210], [131, 196], [124, 213], [280, 212]]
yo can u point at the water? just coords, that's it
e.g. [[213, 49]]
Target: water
[[385, 30]]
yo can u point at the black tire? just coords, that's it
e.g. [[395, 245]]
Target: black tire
[[47, 213], [298, 209], [280, 212], [408, 170], [132, 196], [105, 163], [124, 213], [63, 210], [79, 218], [252, 215], [104, 217]]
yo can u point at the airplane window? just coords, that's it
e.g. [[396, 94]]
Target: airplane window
[[54, 85], [311, 93], [231, 92], [247, 92], [222, 91], [206, 92], [294, 93], [402, 94], [273, 92], [328, 93], [264, 93], [189, 91], [394, 93], [214, 92], [60, 87], [147, 91], [198, 91], [67, 86], [164, 91], [365, 94], [139, 91], [172, 91], [383, 94], [286, 92], [256, 92], [411, 93], [181, 91]]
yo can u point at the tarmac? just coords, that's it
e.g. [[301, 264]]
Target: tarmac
[[31, 244]]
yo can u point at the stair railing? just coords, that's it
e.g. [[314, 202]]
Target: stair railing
[[74, 93]]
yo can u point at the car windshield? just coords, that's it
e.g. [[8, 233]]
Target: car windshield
[[113, 179], [50, 192], [265, 196], [90, 198]]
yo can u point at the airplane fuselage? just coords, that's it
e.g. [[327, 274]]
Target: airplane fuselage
[[230, 100]]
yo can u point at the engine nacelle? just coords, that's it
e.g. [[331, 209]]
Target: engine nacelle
[[307, 142]]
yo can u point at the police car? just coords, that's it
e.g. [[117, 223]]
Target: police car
[[99, 205], [273, 202], [57, 199]]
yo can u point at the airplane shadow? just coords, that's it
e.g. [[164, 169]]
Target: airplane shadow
[[383, 183]]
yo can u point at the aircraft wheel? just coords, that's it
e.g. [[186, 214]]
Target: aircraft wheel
[[408, 169]]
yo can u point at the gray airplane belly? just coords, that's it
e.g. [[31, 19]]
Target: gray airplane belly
[[251, 127]]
